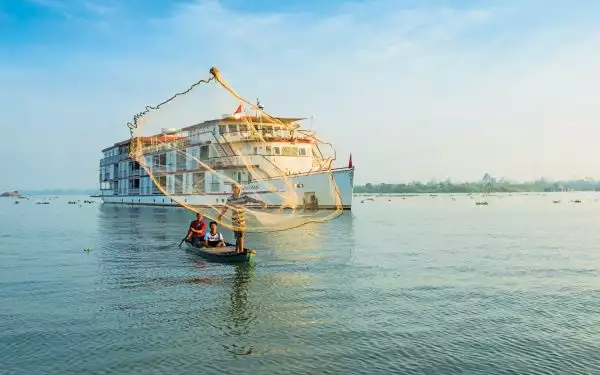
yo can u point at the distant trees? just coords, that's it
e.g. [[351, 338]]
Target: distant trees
[[488, 184]]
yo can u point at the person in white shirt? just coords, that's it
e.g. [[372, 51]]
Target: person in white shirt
[[213, 238]]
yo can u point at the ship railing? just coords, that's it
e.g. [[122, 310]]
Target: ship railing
[[267, 132], [319, 165], [158, 169], [113, 159], [163, 147], [260, 161], [322, 154], [264, 163], [209, 137], [269, 167]]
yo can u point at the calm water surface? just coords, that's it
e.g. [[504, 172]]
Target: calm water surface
[[423, 285]]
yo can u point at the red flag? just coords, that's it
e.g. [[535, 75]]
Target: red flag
[[350, 162], [238, 112]]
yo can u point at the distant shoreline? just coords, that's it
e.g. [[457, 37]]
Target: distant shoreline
[[355, 194], [447, 187], [431, 187], [56, 192]]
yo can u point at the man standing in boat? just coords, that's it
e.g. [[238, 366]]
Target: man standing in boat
[[197, 229], [238, 202]]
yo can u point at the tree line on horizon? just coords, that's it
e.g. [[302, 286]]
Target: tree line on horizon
[[486, 185]]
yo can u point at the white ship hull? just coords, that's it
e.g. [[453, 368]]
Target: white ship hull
[[318, 185]]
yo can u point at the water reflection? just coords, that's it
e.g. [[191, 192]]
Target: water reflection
[[151, 278], [137, 244], [241, 312], [143, 223], [312, 242]]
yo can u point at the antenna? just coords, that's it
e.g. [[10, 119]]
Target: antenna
[[259, 110]]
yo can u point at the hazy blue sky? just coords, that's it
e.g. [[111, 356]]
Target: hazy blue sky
[[414, 89]]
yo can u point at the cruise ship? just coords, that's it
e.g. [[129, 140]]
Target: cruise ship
[[280, 160]]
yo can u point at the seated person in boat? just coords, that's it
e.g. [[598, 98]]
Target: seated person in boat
[[196, 232], [213, 238]]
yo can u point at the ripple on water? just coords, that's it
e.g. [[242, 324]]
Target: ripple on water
[[455, 290]]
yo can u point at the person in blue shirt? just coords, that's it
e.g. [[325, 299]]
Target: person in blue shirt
[[213, 238]]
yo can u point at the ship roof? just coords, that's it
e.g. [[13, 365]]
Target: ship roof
[[249, 119], [160, 137], [266, 120]]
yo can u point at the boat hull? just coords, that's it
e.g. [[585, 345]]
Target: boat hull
[[222, 254], [328, 196]]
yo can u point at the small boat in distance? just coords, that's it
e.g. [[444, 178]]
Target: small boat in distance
[[487, 189]]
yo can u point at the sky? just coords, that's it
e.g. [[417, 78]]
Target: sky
[[415, 90]]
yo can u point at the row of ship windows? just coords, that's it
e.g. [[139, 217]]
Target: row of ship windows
[[285, 151], [224, 129], [267, 150]]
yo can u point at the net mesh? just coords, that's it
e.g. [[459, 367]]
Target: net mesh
[[248, 170]]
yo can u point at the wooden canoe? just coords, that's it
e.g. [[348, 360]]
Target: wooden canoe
[[225, 254]]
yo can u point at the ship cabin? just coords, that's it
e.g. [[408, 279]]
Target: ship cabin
[[226, 145]]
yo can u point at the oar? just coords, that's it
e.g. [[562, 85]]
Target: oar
[[184, 238]]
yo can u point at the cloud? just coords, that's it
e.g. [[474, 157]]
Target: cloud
[[413, 92]]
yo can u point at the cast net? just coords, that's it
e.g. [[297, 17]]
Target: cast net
[[186, 151]]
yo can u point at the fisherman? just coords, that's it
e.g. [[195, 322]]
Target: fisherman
[[213, 238], [197, 228], [238, 203]]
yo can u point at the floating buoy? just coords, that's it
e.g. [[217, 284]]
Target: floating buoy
[[88, 249]]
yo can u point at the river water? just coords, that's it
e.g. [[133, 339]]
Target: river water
[[423, 285]]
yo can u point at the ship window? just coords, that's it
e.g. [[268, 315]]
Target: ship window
[[276, 151], [233, 128], [268, 150], [255, 150], [302, 152], [244, 128], [222, 129], [290, 151], [239, 177], [203, 152]]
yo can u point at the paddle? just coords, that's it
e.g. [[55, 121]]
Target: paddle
[[184, 238]]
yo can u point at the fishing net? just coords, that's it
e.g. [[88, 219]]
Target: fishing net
[[187, 151]]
